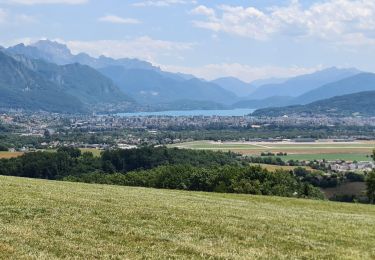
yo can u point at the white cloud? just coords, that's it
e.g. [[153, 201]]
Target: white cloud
[[118, 20], [37, 2], [246, 73], [144, 48], [203, 10], [161, 3], [331, 20]]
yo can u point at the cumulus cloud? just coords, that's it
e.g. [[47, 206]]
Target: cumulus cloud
[[118, 20], [144, 48], [161, 3], [244, 72], [38, 2], [341, 21]]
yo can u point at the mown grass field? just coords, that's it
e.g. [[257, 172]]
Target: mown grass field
[[273, 168], [328, 156], [7, 155], [296, 151], [50, 220], [94, 151]]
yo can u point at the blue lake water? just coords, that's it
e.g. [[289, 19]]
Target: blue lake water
[[231, 112]]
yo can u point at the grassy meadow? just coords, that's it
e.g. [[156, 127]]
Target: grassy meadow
[[42, 219], [273, 168], [94, 151], [296, 151]]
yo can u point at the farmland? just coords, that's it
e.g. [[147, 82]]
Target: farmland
[[273, 168], [94, 151], [54, 220], [296, 151], [7, 155]]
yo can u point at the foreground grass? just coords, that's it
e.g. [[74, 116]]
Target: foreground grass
[[46, 219]]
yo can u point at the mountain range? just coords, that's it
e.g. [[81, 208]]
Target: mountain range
[[356, 104], [37, 84], [150, 87], [24, 88], [357, 83], [147, 84], [238, 87], [105, 84], [60, 54], [299, 85]]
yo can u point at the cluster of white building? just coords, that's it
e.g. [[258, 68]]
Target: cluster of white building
[[340, 166]]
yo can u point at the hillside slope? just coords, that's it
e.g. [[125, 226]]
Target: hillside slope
[[239, 87], [299, 85], [24, 88], [358, 83], [80, 81], [359, 104], [39, 85], [46, 219], [150, 87]]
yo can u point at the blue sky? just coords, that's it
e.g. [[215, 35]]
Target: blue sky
[[248, 39]]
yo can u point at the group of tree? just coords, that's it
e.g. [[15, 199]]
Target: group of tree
[[267, 160], [70, 161], [160, 167], [226, 179]]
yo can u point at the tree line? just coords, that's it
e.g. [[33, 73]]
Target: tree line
[[160, 167]]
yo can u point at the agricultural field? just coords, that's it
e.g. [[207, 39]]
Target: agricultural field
[[274, 168], [94, 151], [7, 155], [329, 156], [296, 151], [42, 219]]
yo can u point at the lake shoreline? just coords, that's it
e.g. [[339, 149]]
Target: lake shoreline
[[177, 113]]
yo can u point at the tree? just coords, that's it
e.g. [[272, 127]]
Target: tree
[[71, 151], [370, 183]]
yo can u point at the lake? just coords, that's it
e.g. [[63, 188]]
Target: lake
[[230, 112]]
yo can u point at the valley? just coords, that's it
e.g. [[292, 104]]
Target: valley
[[184, 129]]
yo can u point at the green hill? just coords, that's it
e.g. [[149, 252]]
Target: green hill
[[361, 104], [49, 220]]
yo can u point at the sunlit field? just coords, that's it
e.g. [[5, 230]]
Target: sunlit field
[[296, 151], [7, 155], [50, 220]]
